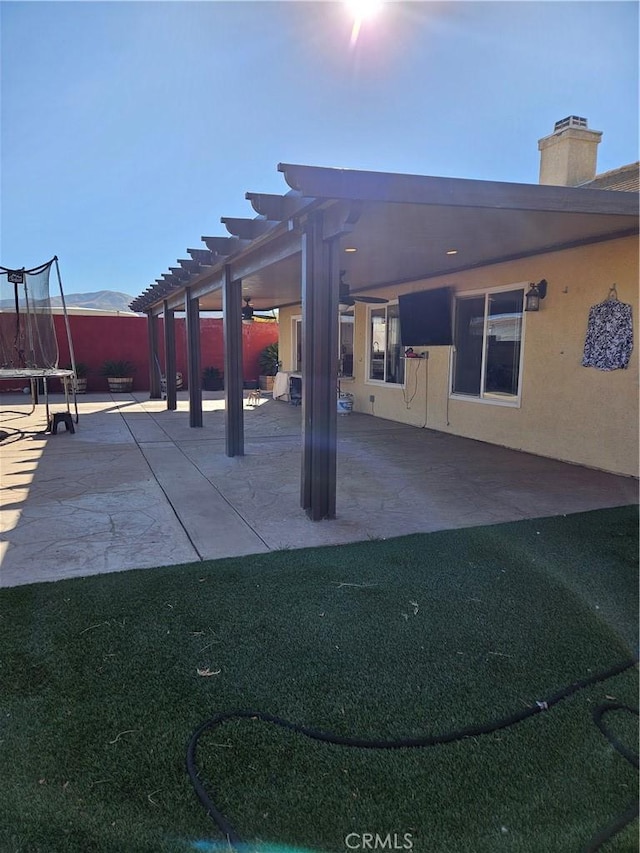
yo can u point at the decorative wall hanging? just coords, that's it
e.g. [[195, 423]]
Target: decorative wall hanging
[[609, 340]]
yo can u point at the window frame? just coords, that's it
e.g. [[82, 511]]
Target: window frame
[[346, 320], [295, 341], [381, 383], [488, 397], [296, 327]]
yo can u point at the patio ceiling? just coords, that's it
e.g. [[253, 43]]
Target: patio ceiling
[[402, 227]]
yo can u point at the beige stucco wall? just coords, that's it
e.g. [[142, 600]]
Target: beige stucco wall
[[569, 412]]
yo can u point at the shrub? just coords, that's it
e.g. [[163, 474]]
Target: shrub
[[82, 371], [118, 369], [268, 360]]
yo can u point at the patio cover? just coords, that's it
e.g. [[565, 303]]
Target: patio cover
[[403, 227]]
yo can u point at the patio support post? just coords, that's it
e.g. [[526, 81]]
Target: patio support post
[[320, 286], [192, 308], [232, 325], [154, 369], [170, 356]]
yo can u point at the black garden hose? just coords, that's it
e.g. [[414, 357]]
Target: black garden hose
[[476, 730], [631, 813]]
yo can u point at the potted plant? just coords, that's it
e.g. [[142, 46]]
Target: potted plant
[[212, 379], [82, 371], [119, 375], [269, 366]]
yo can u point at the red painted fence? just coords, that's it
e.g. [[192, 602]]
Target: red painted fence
[[97, 339]]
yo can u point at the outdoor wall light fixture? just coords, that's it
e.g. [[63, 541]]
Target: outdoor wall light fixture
[[247, 311], [535, 293]]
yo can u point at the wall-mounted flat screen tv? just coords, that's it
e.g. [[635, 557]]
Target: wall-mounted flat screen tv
[[425, 318]]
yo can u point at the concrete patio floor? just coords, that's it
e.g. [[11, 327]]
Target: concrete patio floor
[[136, 487]]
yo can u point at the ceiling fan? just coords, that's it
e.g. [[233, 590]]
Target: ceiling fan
[[247, 311], [249, 314], [347, 301]]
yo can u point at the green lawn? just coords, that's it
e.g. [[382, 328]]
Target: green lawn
[[104, 680]]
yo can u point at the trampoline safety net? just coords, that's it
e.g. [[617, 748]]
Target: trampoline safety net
[[27, 334]]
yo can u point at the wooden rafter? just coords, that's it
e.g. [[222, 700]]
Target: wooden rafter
[[277, 208], [222, 246], [189, 265], [202, 256], [181, 274], [246, 229]]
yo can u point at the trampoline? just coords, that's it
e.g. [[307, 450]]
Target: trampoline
[[28, 343]]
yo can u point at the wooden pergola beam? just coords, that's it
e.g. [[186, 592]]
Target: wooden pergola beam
[[203, 256], [246, 229], [182, 275], [189, 265], [222, 246], [277, 208]]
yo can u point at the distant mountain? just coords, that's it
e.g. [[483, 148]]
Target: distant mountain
[[104, 300], [99, 300]]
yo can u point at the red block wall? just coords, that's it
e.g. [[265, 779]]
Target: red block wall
[[97, 339]]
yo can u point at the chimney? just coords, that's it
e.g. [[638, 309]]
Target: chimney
[[568, 156]]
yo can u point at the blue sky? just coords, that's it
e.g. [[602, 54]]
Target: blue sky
[[129, 128]]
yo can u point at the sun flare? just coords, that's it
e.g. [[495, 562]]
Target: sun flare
[[361, 10]]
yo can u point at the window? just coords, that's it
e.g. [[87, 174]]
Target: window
[[345, 363], [385, 350], [487, 340], [296, 338], [345, 345]]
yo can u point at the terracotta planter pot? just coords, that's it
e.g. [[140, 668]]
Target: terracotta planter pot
[[120, 384], [266, 383]]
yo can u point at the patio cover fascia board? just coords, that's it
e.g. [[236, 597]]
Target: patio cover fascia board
[[351, 184]]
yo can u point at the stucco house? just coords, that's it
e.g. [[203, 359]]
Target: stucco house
[[412, 292]]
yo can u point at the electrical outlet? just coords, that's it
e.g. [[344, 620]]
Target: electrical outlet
[[372, 398]]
